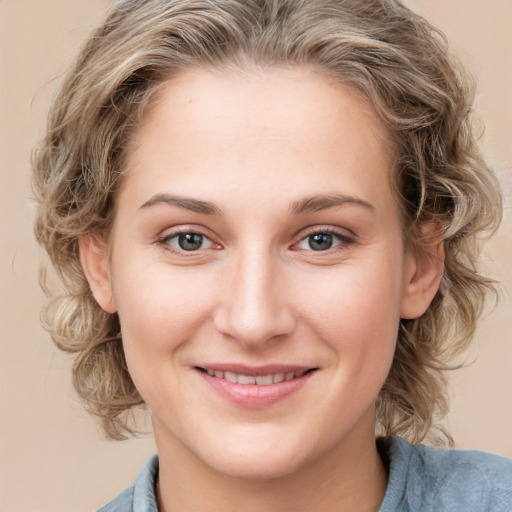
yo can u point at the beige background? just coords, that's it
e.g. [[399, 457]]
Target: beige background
[[52, 456]]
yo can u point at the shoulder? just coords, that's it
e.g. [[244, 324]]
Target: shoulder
[[426, 479], [140, 497]]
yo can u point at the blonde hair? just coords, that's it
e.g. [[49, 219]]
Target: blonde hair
[[399, 61]]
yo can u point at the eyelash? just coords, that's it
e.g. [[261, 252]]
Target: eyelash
[[343, 241], [165, 242]]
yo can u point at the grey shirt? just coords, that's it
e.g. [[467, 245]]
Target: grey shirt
[[421, 479]]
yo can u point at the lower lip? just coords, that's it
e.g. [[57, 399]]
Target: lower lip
[[254, 396]]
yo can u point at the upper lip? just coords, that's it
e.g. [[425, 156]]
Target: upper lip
[[255, 371]]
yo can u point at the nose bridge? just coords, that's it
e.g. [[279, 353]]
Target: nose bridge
[[256, 307]]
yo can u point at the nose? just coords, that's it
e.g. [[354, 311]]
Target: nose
[[255, 307]]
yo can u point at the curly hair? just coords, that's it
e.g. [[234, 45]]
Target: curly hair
[[392, 55]]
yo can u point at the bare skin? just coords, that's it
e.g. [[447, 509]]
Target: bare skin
[[256, 228]]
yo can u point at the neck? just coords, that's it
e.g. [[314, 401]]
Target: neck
[[352, 478]]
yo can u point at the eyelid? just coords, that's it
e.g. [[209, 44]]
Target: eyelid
[[163, 240], [341, 234]]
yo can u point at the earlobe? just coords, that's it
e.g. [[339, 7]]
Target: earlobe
[[424, 267], [94, 260]]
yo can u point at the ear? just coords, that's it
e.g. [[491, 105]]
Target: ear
[[94, 260], [423, 271]]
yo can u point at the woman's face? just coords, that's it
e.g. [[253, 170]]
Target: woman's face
[[258, 269]]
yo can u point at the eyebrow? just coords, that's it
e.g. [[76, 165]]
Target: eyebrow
[[322, 202], [307, 205], [187, 203]]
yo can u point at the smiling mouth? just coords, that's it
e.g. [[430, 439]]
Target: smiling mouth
[[261, 380]]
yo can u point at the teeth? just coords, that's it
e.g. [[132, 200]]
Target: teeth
[[278, 377], [246, 379], [230, 376], [262, 380]]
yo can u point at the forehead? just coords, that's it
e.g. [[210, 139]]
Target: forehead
[[212, 131]]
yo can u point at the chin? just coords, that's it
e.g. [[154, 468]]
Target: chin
[[258, 466], [259, 456]]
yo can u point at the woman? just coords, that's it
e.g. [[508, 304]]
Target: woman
[[265, 215]]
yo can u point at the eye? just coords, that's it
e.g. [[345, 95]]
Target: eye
[[323, 241], [188, 241]]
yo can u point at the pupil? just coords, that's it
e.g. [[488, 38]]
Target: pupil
[[320, 241], [190, 241]]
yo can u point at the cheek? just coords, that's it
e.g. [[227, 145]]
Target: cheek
[[159, 310], [359, 299], [356, 312]]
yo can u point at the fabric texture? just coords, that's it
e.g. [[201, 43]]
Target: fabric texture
[[421, 479]]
